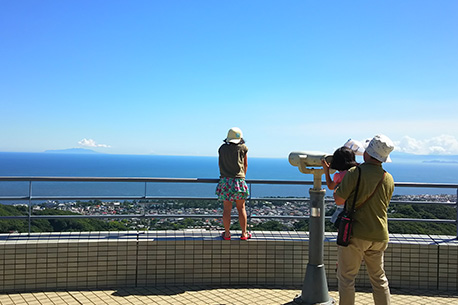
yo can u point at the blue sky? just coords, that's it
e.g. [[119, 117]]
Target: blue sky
[[171, 77]]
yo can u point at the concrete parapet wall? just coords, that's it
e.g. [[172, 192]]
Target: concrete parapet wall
[[51, 261]]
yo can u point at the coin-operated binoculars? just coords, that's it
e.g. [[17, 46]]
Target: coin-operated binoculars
[[310, 163], [315, 287]]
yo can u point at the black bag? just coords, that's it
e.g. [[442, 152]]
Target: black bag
[[344, 234], [345, 219], [337, 222]]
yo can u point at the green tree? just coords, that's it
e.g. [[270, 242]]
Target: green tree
[[271, 225]]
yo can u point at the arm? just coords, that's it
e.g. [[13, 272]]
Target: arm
[[331, 184], [346, 187], [339, 200], [245, 163]]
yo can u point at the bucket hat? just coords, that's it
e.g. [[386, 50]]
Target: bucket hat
[[356, 146], [234, 135], [380, 148]]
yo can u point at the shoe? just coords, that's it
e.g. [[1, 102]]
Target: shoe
[[223, 236], [248, 236]]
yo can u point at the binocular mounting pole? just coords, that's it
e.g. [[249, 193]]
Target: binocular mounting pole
[[315, 286]]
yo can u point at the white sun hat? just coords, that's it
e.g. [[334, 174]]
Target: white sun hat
[[234, 135], [356, 146], [380, 148]]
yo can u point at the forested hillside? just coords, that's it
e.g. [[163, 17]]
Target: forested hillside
[[53, 225], [416, 211]]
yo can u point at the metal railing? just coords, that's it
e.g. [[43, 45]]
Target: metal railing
[[30, 197]]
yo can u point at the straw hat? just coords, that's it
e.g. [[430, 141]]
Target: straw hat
[[234, 135]]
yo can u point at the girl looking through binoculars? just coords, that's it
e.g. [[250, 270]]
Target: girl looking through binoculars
[[342, 160]]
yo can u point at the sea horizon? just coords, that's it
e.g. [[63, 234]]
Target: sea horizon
[[77, 151], [404, 168]]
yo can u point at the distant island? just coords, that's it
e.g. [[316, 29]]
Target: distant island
[[441, 161], [73, 151]]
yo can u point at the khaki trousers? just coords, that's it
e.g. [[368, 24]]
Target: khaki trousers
[[349, 262]]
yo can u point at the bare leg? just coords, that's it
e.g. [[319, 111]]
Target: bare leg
[[227, 217], [242, 216]]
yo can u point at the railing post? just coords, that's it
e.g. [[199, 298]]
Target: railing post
[[30, 206], [456, 207], [246, 206], [144, 203]]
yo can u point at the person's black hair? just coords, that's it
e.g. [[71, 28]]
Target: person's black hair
[[343, 159]]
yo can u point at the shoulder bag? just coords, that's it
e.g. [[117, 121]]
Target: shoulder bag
[[345, 219]]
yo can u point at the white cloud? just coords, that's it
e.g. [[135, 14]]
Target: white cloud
[[441, 145], [91, 143]]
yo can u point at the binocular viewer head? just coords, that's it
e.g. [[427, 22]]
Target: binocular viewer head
[[308, 158]]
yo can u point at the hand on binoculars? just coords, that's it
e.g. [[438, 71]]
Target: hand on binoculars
[[325, 166]]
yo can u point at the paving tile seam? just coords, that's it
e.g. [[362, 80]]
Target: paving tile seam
[[208, 296]]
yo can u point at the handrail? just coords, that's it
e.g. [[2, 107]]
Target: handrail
[[160, 216], [30, 197], [199, 180]]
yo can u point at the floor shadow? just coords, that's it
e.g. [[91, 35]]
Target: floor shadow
[[423, 292], [176, 290], [146, 291]]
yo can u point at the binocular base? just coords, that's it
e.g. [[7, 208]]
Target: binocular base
[[315, 287]]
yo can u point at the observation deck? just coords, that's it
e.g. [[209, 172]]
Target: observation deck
[[198, 267]]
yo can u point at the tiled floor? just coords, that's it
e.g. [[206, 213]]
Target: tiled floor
[[206, 295]]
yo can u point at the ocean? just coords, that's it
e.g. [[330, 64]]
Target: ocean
[[404, 168]]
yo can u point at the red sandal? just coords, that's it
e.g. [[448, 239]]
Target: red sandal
[[248, 236], [223, 236]]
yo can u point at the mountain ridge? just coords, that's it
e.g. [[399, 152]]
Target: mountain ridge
[[72, 151]]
